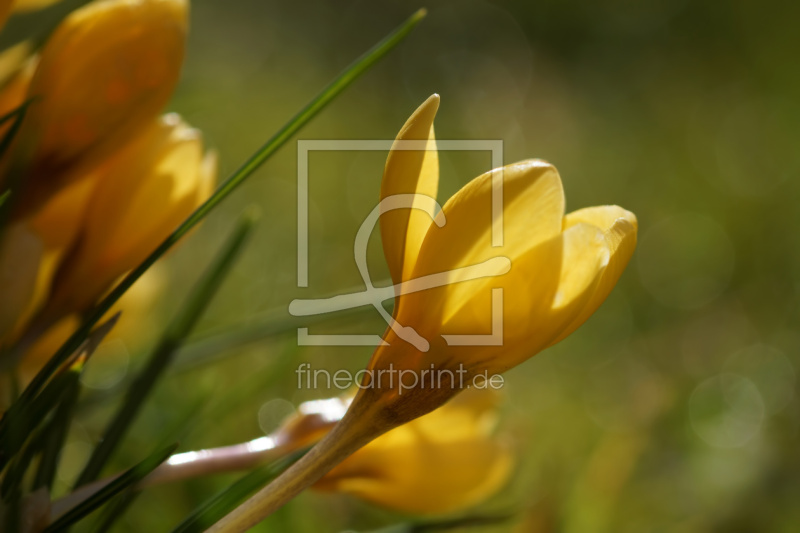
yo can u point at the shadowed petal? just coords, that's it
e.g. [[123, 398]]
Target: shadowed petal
[[140, 196]]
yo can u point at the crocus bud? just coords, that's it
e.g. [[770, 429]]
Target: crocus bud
[[443, 462], [103, 76], [140, 196], [512, 297]]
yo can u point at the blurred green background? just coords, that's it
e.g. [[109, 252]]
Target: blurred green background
[[675, 407]]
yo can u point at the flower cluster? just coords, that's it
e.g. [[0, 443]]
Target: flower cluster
[[96, 176]]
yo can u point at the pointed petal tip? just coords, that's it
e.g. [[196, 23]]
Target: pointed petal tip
[[431, 103]]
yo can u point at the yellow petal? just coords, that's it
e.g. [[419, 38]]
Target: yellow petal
[[103, 76], [543, 292], [446, 461], [59, 221], [55, 227], [409, 172], [433, 480], [533, 209], [140, 196], [619, 228]]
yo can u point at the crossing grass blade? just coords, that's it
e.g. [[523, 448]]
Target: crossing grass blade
[[15, 435], [116, 509], [56, 431], [121, 483]]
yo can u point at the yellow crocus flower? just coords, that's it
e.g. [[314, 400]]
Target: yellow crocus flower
[[554, 271], [140, 195], [102, 77], [444, 462]]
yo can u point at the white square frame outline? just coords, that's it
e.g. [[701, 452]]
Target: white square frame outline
[[305, 146]]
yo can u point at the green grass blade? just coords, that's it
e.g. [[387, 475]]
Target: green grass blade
[[56, 432], [17, 433], [176, 333], [116, 509], [348, 76], [28, 417], [12, 479], [224, 502], [127, 479]]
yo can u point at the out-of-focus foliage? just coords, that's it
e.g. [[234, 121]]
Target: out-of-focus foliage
[[675, 408]]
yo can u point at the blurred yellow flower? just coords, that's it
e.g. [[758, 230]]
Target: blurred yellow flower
[[443, 462], [140, 195], [102, 77]]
